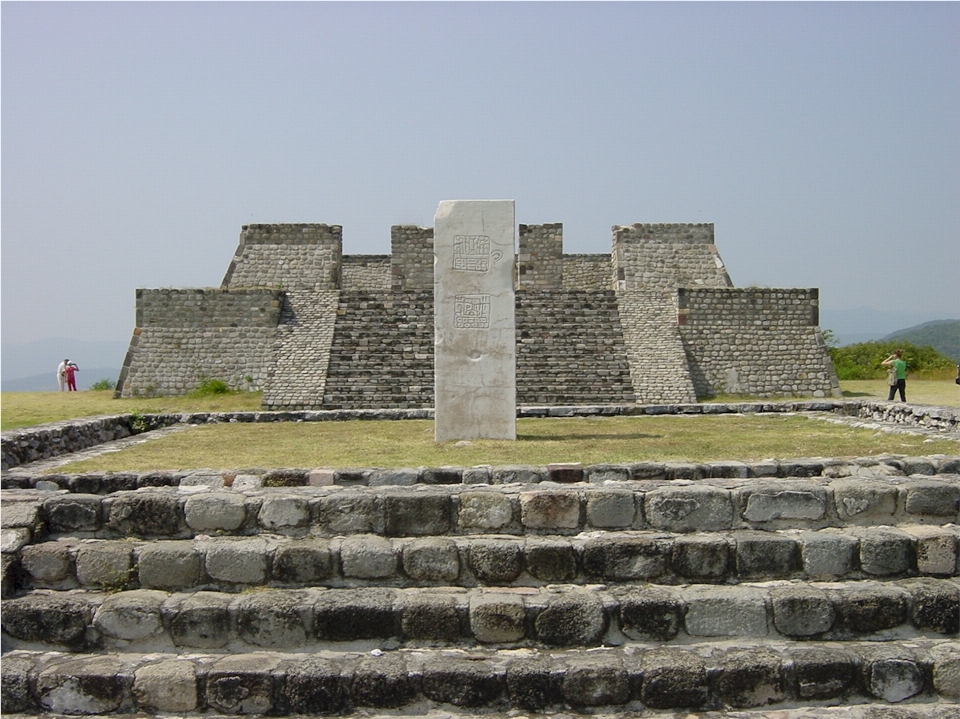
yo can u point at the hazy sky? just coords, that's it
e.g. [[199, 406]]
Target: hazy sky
[[822, 139]]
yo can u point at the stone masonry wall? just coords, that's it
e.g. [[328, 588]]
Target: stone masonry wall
[[411, 265], [663, 257], [301, 256], [762, 342], [588, 273], [658, 363], [185, 336], [540, 257], [366, 272]]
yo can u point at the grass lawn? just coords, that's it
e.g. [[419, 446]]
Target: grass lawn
[[26, 409], [589, 440]]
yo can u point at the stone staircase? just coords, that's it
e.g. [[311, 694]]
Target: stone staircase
[[382, 353], [570, 349], [645, 588]]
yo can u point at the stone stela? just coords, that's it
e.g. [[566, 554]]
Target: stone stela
[[474, 320]]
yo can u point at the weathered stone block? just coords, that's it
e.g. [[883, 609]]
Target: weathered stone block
[[168, 565], [550, 510], [802, 611], [864, 609], [237, 561], [242, 684], [936, 550], [394, 478], [382, 682], [625, 558], [650, 614], [823, 673], [303, 562], [105, 564], [700, 557], [131, 616], [283, 513], [71, 513], [91, 685], [946, 670], [429, 616], [935, 606], [486, 511], [514, 474], [144, 513], [589, 682], [575, 618], [858, 500], [48, 564], [769, 504], [434, 559], [689, 509], [314, 686], [270, 618], [565, 473], [886, 552], [673, 679], [828, 554], [894, 679], [200, 620], [348, 514], [497, 618], [15, 685], [933, 498], [167, 686], [462, 682], [611, 509], [415, 515], [534, 685], [766, 555], [47, 619], [550, 560], [725, 611], [367, 556], [750, 678], [495, 561], [349, 614], [212, 511]]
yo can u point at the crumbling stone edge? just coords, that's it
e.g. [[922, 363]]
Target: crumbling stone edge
[[23, 446]]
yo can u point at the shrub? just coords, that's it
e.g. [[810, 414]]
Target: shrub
[[862, 360], [104, 384], [210, 387]]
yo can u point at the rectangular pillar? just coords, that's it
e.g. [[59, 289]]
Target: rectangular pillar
[[475, 376]]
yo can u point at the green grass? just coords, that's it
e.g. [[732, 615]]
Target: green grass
[[26, 409], [589, 440]]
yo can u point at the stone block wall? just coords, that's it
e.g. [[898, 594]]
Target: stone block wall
[[587, 273], [411, 263], [366, 272], [667, 256], [540, 257], [185, 336], [300, 256], [762, 342]]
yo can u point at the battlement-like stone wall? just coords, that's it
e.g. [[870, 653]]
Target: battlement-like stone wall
[[762, 342], [411, 265], [302, 256], [664, 257], [366, 272], [540, 257], [588, 273]]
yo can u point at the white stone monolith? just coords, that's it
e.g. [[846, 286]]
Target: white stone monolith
[[475, 376]]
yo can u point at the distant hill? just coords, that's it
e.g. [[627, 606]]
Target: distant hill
[[942, 335], [47, 382]]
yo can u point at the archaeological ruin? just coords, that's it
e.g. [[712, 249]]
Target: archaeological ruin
[[656, 321]]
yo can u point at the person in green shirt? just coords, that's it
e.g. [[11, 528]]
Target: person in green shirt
[[899, 367]]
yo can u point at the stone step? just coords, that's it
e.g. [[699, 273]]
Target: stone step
[[205, 504], [922, 673], [232, 563], [317, 619]]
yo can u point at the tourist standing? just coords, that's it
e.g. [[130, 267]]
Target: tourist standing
[[898, 368], [60, 373], [70, 371]]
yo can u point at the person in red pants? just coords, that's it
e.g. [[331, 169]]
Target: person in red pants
[[70, 372]]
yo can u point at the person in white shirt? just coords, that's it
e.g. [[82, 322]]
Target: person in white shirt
[[61, 374]]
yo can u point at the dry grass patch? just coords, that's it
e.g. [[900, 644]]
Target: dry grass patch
[[589, 440]]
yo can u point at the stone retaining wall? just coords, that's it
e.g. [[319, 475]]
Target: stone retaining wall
[[294, 256], [667, 256]]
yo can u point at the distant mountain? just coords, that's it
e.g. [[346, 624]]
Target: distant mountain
[[40, 358], [47, 382], [942, 335], [864, 324]]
